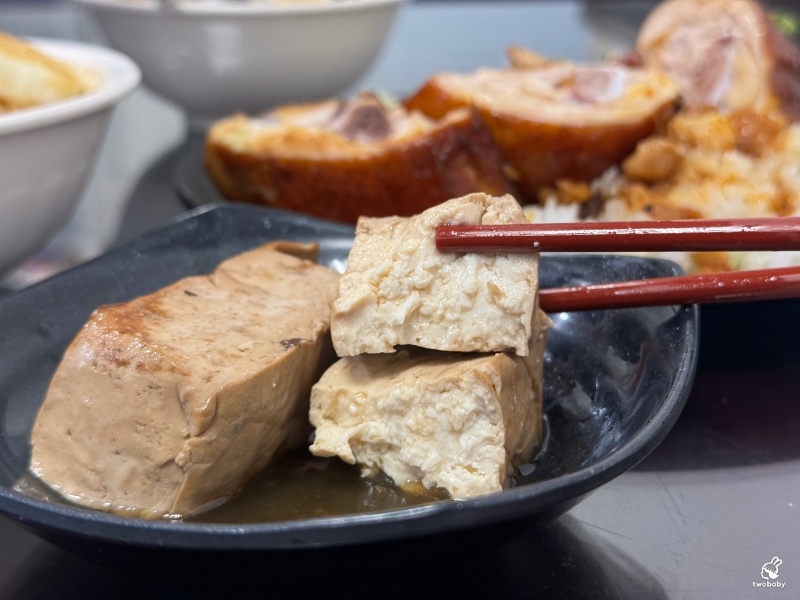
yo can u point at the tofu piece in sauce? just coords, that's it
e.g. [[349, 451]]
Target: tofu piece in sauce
[[167, 404], [457, 421], [440, 383]]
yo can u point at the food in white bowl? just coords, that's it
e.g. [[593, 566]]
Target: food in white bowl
[[47, 151], [32, 78], [217, 58]]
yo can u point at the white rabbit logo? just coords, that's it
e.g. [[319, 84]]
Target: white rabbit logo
[[770, 569]]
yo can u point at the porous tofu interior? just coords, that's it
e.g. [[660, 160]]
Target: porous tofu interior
[[398, 289]]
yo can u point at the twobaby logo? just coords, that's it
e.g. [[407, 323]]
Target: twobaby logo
[[769, 572]]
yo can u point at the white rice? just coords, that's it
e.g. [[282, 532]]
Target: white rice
[[714, 181]]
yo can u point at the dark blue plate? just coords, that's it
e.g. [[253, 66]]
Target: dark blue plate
[[616, 382]]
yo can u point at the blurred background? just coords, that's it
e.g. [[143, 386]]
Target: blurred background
[[118, 202]]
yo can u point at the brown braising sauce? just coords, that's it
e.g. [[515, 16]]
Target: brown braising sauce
[[300, 486], [297, 486]]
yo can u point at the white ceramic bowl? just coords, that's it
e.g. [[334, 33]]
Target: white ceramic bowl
[[47, 153], [214, 58]]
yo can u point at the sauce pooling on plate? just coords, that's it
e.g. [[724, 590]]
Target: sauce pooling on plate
[[304, 487], [298, 487]]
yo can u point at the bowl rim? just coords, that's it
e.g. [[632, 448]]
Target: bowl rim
[[218, 8], [121, 75]]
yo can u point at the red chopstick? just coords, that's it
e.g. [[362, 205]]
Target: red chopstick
[[772, 233], [736, 286]]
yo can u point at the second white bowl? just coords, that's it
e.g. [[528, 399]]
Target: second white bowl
[[215, 58], [47, 153]]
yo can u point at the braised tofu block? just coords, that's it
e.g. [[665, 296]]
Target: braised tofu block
[[167, 404], [399, 289], [461, 422]]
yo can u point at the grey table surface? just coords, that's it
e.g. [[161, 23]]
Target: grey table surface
[[697, 519]]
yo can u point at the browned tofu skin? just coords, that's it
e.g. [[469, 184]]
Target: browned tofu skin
[[167, 404]]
